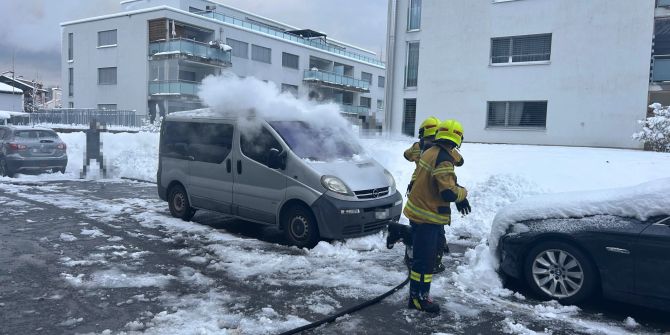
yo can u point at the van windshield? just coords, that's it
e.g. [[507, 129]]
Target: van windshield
[[317, 144]]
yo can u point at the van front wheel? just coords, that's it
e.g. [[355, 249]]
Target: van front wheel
[[180, 207], [300, 227]]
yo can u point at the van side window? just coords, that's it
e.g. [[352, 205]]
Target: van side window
[[212, 142], [258, 146], [204, 142]]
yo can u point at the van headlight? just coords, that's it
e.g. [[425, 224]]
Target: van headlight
[[391, 181], [335, 184]]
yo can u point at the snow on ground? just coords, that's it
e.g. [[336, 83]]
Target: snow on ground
[[495, 175]]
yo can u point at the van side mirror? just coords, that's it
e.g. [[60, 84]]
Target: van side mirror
[[276, 159]]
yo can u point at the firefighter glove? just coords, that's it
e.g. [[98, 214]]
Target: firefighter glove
[[464, 207]]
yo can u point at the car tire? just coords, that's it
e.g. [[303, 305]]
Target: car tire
[[179, 205], [559, 271], [300, 227], [61, 170], [4, 169]]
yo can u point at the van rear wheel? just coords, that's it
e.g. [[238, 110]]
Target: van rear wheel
[[300, 227], [180, 207]]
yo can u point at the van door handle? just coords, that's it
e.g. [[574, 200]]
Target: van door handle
[[229, 165], [239, 166]]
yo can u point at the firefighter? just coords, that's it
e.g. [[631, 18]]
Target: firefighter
[[429, 209]]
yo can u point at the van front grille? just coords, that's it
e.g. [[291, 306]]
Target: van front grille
[[358, 229], [372, 193]]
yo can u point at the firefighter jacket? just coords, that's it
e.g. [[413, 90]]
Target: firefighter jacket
[[435, 188], [413, 153]]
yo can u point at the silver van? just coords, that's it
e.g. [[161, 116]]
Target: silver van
[[312, 184]]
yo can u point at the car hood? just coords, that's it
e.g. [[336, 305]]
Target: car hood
[[364, 174]]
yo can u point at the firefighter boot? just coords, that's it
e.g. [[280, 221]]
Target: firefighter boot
[[424, 305]]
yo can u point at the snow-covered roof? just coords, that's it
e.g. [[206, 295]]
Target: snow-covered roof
[[9, 89], [642, 202]]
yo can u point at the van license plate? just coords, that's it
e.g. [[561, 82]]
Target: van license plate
[[380, 215]]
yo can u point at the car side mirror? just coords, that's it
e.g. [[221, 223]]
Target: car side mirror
[[276, 159]]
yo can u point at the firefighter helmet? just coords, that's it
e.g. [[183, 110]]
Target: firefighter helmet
[[429, 127], [450, 130]]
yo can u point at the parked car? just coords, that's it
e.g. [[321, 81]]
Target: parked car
[[30, 149], [311, 184], [572, 258]]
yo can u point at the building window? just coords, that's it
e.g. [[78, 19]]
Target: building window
[[517, 114], [240, 49], [409, 117], [107, 107], [290, 88], [520, 49], [414, 17], [107, 76], [381, 81], [70, 104], [380, 104], [290, 60], [187, 75], [195, 10], [70, 82], [412, 67], [70, 46], [107, 38], [366, 77], [261, 54], [366, 102]]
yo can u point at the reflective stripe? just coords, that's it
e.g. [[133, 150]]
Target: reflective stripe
[[427, 215], [415, 276], [461, 194], [427, 278], [416, 303], [443, 170], [425, 166]]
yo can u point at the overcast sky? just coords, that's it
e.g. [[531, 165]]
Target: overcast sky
[[31, 32]]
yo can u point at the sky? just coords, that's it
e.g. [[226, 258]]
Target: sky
[[31, 34]]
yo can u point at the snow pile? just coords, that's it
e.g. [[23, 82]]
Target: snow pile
[[656, 129], [641, 202]]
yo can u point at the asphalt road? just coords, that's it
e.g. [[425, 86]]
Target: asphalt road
[[49, 230]]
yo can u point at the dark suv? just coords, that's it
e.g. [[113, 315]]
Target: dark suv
[[30, 149]]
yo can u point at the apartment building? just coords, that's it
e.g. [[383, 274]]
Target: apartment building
[[549, 72], [152, 56]]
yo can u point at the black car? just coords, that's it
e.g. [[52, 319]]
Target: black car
[[30, 149], [570, 260]]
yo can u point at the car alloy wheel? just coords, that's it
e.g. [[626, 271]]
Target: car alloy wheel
[[558, 273]]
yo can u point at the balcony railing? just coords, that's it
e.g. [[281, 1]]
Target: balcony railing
[[173, 87], [337, 80], [356, 110], [189, 48], [661, 68], [291, 37]]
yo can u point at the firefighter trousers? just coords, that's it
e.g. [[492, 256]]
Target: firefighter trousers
[[426, 238]]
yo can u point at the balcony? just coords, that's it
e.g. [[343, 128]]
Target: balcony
[[173, 88], [337, 81], [189, 49], [290, 37], [354, 110], [661, 68]]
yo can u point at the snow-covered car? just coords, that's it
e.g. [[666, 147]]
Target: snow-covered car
[[30, 149], [570, 246], [312, 183]]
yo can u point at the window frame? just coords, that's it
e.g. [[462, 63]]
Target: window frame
[[116, 75], [510, 56], [70, 82], [409, 15], [508, 112], [369, 75], [116, 39], [381, 81], [291, 56], [367, 105], [405, 129], [407, 65], [293, 89], [70, 47], [264, 129], [256, 59]]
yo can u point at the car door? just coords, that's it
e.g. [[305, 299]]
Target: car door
[[211, 177], [258, 189], [653, 260]]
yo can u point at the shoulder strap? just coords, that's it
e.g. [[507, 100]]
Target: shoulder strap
[[443, 156]]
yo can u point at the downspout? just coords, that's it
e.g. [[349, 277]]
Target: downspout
[[390, 65]]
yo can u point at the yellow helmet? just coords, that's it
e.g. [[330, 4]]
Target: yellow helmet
[[450, 130], [429, 127]]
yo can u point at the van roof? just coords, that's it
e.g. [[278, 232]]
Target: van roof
[[206, 113], [15, 127]]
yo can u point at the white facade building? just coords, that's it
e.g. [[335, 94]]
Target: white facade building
[[11, 98], [152, 56], [557, 72]]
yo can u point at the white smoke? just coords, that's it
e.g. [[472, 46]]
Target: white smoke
[[250, 99]]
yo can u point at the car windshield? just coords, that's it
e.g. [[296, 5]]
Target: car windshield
[[325, 144], [35, 134]]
